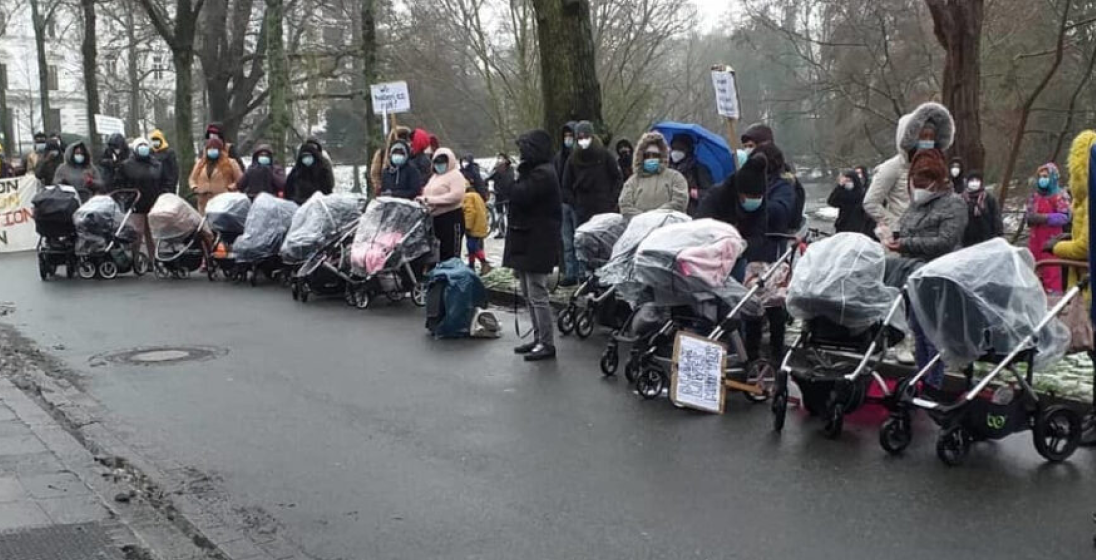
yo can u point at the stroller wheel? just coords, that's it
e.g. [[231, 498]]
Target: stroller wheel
[[43, 267], [584, 323], [108, 270], [566, 320], [294, 290], [952, 446], [650, 384], [364, 299], [896, 434], [418, 294], [70, 268], [610, 361], [835, 418], [760, 373], [395, 296], [86, 269], [141, 264], [303, 292], [631, 369], [780, 400], [1057, 433], [253, 277], [160, 271]]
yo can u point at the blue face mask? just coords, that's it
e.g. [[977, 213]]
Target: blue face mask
[[213, 153], [398, 159], [264, 160], [78, 159], [1044, 183], [569, 142], [651, 165], [741, 155], [926, 144], [752, 204], [307, 161], [441, 168], [142, 150]]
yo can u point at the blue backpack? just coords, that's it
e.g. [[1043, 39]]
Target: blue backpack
[[454, 291]]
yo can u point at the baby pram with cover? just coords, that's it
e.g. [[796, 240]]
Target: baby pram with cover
[[180, 235], [54, 207], [226, 215], [850, 319], [104, 237], [392, 247], [318, 244], [257, 250], [592, 303], [985, 304]]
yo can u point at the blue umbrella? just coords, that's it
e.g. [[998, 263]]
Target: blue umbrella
[[712, 150]]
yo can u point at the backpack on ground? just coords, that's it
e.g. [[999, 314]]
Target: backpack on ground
[[454, 293]]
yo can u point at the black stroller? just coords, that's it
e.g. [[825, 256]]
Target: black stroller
[[985, 304], [593, 303], [54, 207], [393, 246], [104, 237], [180, 235], [226, 215], [257, 250], [318, 244]]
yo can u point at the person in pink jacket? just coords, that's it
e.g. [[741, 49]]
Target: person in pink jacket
[[1047, 212], [444, 195]]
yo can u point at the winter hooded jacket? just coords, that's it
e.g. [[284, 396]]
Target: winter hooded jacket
[[420, 144], [401, 181], [559, 161], [772, 217], [472, 172], [166, 156], [888, 196], [262, 178], [215, 176], [146, 175], [592, 177], [850, 205], [50, 161], [80, 175], [444, 193], [1081, 180], [475, 214], [110, 163], [305, 180], [532, 238], [377, 164], [663, 189], [698, 177]]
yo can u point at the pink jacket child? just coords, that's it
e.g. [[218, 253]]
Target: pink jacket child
[[1047, 213]]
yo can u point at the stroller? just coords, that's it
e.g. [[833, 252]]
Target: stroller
[[619, 275], [226, 215], [850, 319], [180, 235], [318, 244], [985, 304], [257, 250], [104, 237], [592, 303], [392, 247], [54, 207]]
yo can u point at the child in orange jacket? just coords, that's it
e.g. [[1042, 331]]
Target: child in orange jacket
[[475, 229]]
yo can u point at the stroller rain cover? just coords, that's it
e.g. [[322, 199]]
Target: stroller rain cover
[[594, 240], [97, 221], [984, 299], [227, 212], [317, 222], [620, 270], [841, 279], [388, 225], [267, 223], [54, 207], [172, 218], [691, 262]]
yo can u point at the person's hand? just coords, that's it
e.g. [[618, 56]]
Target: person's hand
[[1036, 219], [893, 244]]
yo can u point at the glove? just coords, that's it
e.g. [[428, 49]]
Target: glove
[[1057, 220]]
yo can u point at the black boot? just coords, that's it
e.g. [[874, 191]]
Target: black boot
[[525, 348], [541, 352]]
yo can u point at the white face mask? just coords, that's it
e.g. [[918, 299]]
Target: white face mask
[[974, 186], [955, 171], [921, 195], [676, 156], [584, 143]]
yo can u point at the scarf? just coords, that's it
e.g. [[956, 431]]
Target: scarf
[[976, 200]]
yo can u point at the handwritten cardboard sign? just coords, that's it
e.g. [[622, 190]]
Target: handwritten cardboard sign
[[697, 380]]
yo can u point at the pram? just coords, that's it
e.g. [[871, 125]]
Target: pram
[[104, 237], [180, 235], [392, 247], [54, 207], [257, 250], [226, 215], [318, 244], [592, 303], [849, 319], [619, 275], [985, 304]]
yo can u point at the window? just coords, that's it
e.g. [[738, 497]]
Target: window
[[51, 77], [54, 123], [158, 67]]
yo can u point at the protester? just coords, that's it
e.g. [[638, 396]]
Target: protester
[[848, 198], [78, 171], [697, 176], [53, 157], [30, 161], [653, 184], [399, 178], [983, 212], [532, 241], [216, 130], [475, 229], [474, 175], [6, 170], [503, 178], [143, 173], [1080, 169], [444, 197], [1047, 212], [757, 134], [311, 174], [929, 127], [421, 154], [569, 221], [110, 163], [263, 175], [567, 145], [625, 160], [864, 175], [214, 173], [592, 177], [958, 175], [380, 161], [165, 154], [315, 143]]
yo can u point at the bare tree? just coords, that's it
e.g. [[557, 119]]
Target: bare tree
[[41, 18], [90, 63], [567, 62], [958, 27]]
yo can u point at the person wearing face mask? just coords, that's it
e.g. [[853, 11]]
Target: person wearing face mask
[[653, 184], [1048, 211], [929, 127], [30, 161], [165, 154], [503, 178], [263, 175], [217, 130], [983, 212], [625, 160], [567, 145], [214, 173], [380, 157], [78, 171], [50, 161], [474, 174], [864, 175], [683, 160], [399, 178], [110, 163], [443, 195], [311, 174], [957, 174], [143, 173], [422, 154], [848, 198], [592, 178]]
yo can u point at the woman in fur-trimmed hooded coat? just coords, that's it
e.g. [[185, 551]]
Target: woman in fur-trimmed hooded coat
[[646, 189]]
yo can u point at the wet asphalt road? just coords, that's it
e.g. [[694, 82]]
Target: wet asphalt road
[[392, 446]]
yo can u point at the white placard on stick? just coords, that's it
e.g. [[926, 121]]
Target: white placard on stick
[[106, 126], [697, 380], [391, 97], [726, 93]]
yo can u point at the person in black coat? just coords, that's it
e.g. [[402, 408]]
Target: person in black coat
[[848, 198], [503, 178], [311, 174], [143, 173], [683, 160], [53, 157], [472, 172], [592, 175], [400, 178], [984, 220], [165, 154], [532, 240], [110, 163], [624, 151]]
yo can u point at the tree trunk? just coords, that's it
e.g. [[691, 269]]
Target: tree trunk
[[957, 25], [279, 78], [568, 75], [39, 23], [369, 77], [133, 75], [91, 62], [184, 117], [6, 127]]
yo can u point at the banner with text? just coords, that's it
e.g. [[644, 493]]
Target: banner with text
[[16, 215]]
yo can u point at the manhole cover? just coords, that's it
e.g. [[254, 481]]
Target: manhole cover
[[159, 355]]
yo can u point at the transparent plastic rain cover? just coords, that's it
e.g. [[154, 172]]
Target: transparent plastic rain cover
[[267, 223], [594, 240], [227, 212], [620, 270], [172, 218], [97, 221], [691, 263], [317, 222], [391, 226]]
